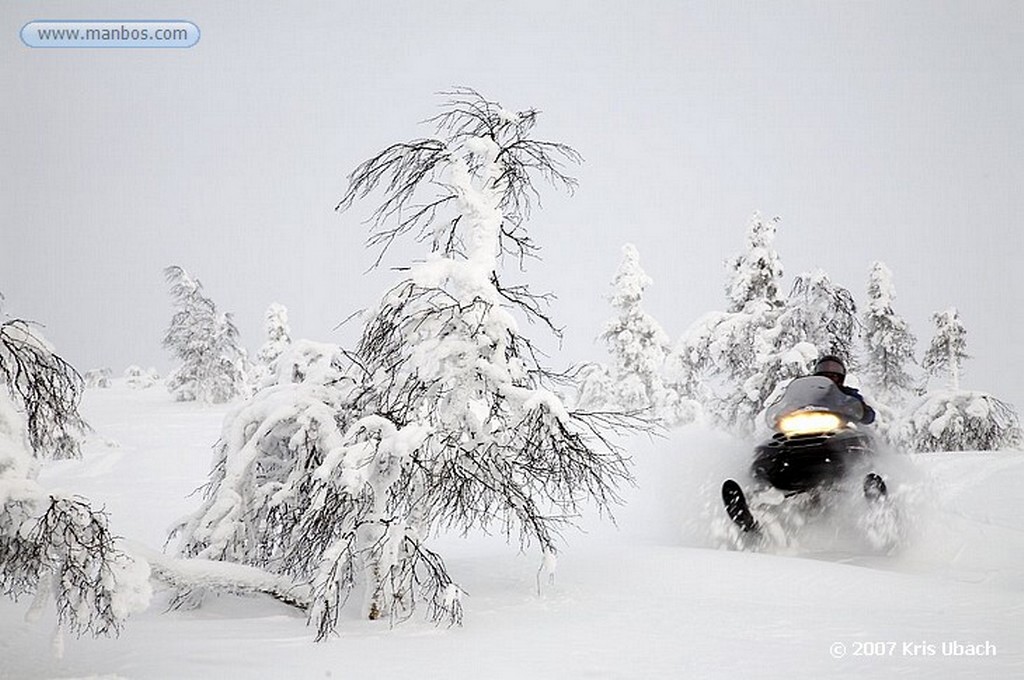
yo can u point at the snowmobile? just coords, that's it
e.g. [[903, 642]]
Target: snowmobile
[[816, 449]]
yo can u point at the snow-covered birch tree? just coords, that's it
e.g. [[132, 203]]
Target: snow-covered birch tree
[[213, 366], [44, 387], [54, 546], [443, 416]]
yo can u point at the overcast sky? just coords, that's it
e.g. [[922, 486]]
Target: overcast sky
[[874, 130]]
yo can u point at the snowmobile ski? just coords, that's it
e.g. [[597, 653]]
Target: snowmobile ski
[[736, 506]]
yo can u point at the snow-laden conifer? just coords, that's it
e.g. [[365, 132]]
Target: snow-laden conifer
[[442, 418], [888, 342], [822, 313], [947, 352], [722, 351], [97, 377], [639, 347], [741, 356], [213, 365], [755, 275], [279, 335]]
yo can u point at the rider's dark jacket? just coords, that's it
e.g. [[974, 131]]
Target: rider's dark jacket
[[869, 413]]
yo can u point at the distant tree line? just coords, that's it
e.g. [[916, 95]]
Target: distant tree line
[[728, 365]]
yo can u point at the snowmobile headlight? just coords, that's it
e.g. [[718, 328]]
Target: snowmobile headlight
[[808, 422]]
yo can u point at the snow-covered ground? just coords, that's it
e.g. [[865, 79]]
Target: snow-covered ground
[[650, 599]]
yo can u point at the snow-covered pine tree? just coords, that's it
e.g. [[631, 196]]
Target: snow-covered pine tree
[[443, 419], [822, 313], [54, 545], [279, 336], [948, 349], [952, 419], [723, 350], [888, 342], [214, 366], [639, 346], [819, 317], [755, 274], [742, 355]]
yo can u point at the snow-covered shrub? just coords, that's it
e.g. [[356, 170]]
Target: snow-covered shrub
[[97, 377], [137, 378], [953, 419], [961, 420], [44, 387], [308, 361], [440, 419], [214, 366], [54, 545]]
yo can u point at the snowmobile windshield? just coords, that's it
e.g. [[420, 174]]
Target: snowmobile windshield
[[813, 393]]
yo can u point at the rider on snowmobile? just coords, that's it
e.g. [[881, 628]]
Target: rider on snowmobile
[[810, 461], [832, 367]]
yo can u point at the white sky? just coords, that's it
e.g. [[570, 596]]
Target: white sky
[[875, 130]]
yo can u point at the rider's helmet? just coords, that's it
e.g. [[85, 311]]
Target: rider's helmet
[[832, 368]]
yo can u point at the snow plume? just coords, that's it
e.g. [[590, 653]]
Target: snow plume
[[214, 366], [441, 418]]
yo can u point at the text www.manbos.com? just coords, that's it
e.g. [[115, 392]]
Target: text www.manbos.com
[[110, 34]]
